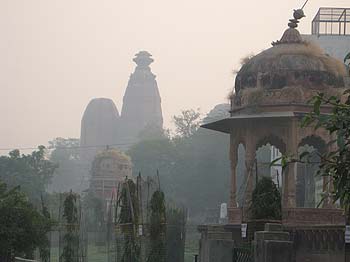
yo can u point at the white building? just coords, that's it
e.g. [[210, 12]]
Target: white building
[[331, 31]]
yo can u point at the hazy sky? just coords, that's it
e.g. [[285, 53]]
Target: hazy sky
[[56, 55]]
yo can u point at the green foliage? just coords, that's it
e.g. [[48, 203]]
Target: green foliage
[[44, 248], [148, 156], [129, 203], [187, 123], [66, 154], [31, 172], [94, 209], [70, 251], [336, 162], [22, 227], [195, 167], [157, 227], [266, 200], [128, 220]]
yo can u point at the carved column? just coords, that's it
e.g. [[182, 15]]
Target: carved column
[[233, 159], [250, 155], [290, 176], [328, 183]]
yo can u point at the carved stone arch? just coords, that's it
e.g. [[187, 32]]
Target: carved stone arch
[[273, 140], [306, 180], [316, 141]]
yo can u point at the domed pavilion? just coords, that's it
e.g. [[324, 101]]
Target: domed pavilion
[[269, 101], [109, 168]]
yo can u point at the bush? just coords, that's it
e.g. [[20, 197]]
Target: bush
[[266, 200]]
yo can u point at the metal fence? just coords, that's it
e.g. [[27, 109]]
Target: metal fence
[[331, 21]]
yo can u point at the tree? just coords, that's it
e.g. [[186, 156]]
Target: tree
[[187, 123], [194, 167], [22, 227], [148, 156], [266, 200], [335, 163], [70, 251], [71, 169], [32, 172]]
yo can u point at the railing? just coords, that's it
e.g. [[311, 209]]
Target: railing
[[331, 21], [242, 254]]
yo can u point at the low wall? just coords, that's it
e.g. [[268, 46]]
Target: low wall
[[312, 216], [318, 243]]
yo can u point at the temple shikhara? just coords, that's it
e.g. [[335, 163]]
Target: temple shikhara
[[141, 113], [270, 99]]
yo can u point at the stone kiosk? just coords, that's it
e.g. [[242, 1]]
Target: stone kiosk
[[270, 98]]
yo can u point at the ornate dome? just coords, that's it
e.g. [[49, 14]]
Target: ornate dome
[[111, 163], [109, 168], [289, 63]]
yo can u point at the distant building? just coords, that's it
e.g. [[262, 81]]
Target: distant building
[[109, 168], [141, 114]]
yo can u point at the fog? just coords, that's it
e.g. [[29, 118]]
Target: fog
[[57, 55]]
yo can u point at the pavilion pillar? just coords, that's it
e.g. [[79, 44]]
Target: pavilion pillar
[[328, 185], [289, 182], [250, 156], [233, 159]]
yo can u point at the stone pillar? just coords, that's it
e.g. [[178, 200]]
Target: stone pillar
[[290, 176], [233, 159], [272, 245], [250, 155], [328, 185]]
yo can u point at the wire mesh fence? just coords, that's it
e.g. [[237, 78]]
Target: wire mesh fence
[[103, 246]]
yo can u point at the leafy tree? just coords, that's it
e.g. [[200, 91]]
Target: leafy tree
[[71, 169], [22, 227], [94, 208], [266, 200], [187, 123], [148, 156], [31, 172], [335, 163], [195, 167]]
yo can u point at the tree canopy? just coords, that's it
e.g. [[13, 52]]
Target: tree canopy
[[194, 165], [336, 162], [32, 172], [266, 200], [187, 123], [71, 169], [22, 227]]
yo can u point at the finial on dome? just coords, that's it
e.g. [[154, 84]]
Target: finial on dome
[[292, 35], [298, 14]]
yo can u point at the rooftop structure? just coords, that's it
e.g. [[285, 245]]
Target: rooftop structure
[[271, 95], [331, 21], [109, 168]]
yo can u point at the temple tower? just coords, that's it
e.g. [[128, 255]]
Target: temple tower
[[142, 103], [99, 127]]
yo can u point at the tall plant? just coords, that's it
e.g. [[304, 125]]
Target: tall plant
[[70, 251], [266, 200], [157, 228], [128, 221]]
